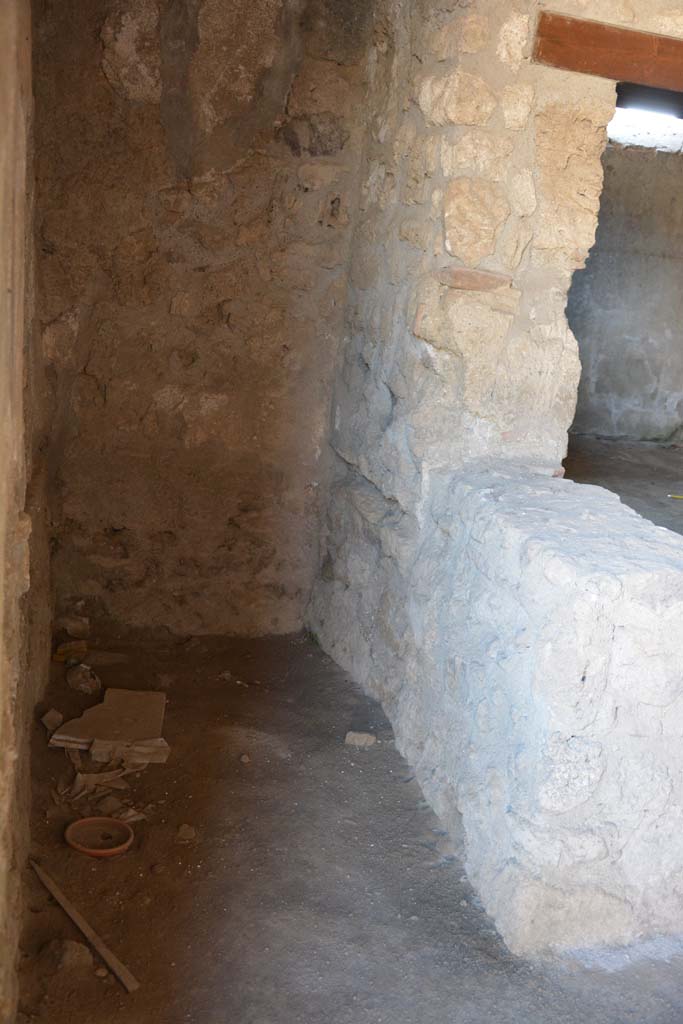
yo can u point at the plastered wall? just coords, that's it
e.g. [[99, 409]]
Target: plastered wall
[[24, 577], [196, 168], [472, 590], [626, 307]]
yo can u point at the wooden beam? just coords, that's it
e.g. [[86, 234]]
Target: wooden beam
[[621, 54], [129, 982]]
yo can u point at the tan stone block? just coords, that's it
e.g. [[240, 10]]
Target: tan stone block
[[569, 144], [474, 327], [477, 152], [459, 98], [467, 34], [512, 40], [566, 227], [474, 213], [516, 103], [320, 87], [522, 192]]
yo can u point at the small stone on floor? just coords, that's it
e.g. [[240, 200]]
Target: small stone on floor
[[360, 739]]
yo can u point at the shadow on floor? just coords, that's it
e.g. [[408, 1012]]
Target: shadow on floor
[[316, 890], [642, 473]]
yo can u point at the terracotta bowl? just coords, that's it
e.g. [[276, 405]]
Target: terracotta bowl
[[99, 837]]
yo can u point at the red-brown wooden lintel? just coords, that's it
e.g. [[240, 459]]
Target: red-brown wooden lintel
[[622, 54]]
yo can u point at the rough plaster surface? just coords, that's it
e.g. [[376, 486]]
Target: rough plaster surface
[[521, 632], [24, 616], [196, 170], [626, 307]]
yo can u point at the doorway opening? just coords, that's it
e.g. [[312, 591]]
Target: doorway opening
[[626, 311]]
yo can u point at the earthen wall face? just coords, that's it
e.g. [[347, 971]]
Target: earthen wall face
[[195, 189], [25, 607]]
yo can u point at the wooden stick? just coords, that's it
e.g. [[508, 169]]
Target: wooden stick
[[129, 982]]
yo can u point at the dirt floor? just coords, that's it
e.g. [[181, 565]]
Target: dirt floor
[[642, 473], [318, 888]]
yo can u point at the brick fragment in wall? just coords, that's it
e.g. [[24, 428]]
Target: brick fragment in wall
[[473, 280]]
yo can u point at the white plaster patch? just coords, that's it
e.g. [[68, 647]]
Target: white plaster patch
[[512, 40]]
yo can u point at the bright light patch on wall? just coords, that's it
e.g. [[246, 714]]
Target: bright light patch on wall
[[633, 127]]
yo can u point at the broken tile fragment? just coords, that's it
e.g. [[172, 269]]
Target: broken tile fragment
[[126, 725], [466, 279]]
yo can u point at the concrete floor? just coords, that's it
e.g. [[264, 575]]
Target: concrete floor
[[642, 473], [319, 889]]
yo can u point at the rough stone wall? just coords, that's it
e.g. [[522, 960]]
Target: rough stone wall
[[480, 192], [196, 184], [554, 721], [24, 613], [626, 306]]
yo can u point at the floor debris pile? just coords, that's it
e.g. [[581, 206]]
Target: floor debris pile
[[118, 737], [312, 884], [109, 742], [127, 725]]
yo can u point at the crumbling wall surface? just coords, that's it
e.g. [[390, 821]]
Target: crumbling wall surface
[[196, 170], [626, 306], [443, 585]]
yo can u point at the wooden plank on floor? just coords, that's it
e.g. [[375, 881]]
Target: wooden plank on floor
[[593, 48]]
